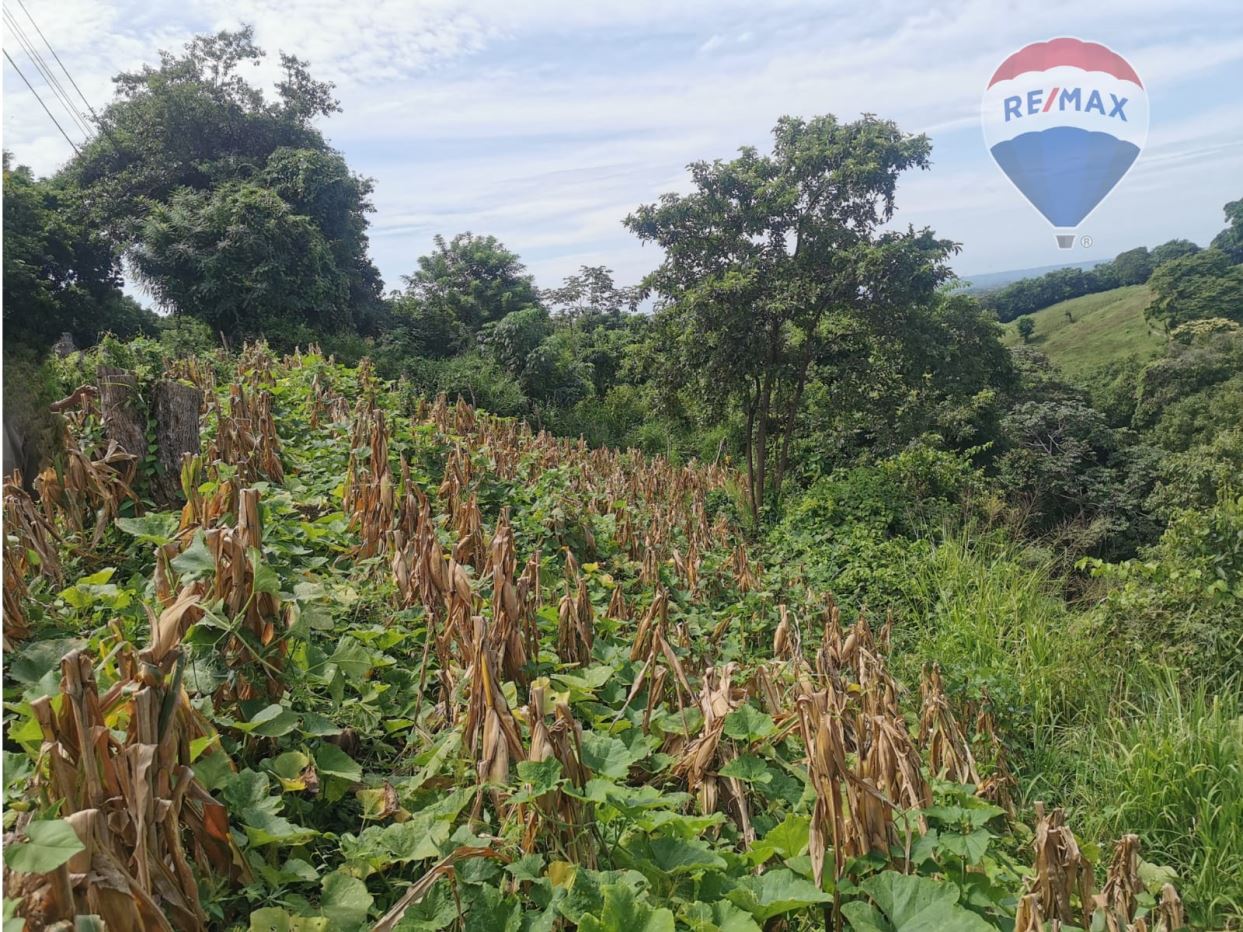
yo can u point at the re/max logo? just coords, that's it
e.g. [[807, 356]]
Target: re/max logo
[[1064, 98]]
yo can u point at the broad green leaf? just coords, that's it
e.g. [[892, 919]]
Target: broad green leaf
[[774, 893], [352, 658], [721, 916], [528, 867], [623, 911], [606, 755], [971, 848], [275, 919], [289, 768], [195, 561], [787, 839], [345, 900], [489, 910], [906, 903], [153, 528], [264, 828], [748, 723], [671, 856], [317, 726], [51, 842], [437, 910], [265, 578], [748, 767], [98, 578], [334, 762], [417, 839], [1156, 876], [271, 722], [542, 775]]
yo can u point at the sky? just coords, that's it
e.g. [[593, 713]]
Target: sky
[[546, 123]]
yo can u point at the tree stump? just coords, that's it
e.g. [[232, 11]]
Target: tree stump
[[176, 433], [123, 416]]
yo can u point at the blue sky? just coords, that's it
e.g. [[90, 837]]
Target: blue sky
[[546, 123]]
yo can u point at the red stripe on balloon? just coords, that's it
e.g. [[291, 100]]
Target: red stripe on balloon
[[1075, 53], [1052, 97]]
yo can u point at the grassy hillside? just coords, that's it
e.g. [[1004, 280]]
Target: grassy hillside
[[1100, 327]]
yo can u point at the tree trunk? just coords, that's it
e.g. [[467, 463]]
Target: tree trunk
[[755, 514], [176, 433], [790, 418], [124, 420], [763, 405]]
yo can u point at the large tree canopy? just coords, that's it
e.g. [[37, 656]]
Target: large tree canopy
[[241, 260], [190, 149], [772, 257], [1202, 285], [60, 274], [473, 279]]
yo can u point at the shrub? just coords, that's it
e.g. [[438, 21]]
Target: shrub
[[474, 377], [854, 531], [988, 612], [1182, 601]]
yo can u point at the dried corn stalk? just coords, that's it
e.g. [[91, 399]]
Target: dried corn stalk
[[949, 752], [1116, 902], [134, 802], [1061, 870], [575, 617]]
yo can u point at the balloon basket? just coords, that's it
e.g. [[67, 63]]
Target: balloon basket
[[1065, 240]]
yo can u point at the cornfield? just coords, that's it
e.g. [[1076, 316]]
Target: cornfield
[[400, 664]]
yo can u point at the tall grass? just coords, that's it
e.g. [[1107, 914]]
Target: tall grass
[[987, 611], [1167, 764], [1123, 747]]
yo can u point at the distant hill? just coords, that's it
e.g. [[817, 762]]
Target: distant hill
[[987, 281], [1101, 327]]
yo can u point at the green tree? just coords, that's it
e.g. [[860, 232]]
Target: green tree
[[429, 331], [1206, 284], [766, 252], [1133, 266], [592, 297], [1230, 240], [1173, 249], [1027, 326], [60, 274], [191, 142], [514, 337], [475, 279], [242, 261]]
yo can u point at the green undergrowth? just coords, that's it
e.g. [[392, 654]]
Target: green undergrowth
[[356, 784]]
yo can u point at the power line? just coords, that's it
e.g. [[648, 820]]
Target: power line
[[58, 61], [99, 121], [41, 66], [49, 78], [41, 103]]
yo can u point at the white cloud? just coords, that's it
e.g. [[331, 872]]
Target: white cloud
[[547, 122]]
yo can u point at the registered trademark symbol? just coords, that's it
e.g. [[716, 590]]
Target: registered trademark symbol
[[1085, 241]]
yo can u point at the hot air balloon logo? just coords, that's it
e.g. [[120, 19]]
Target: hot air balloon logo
[[1065, 120]]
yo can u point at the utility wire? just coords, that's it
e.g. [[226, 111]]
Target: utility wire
[[99, 121], [49, 79], [58, 61], [41, 103]]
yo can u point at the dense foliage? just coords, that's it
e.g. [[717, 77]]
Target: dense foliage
[[775, 591]]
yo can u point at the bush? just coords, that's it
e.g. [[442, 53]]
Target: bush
[[181, 335], [475, 377], [854, 532], [1182, 601], [989, 613]]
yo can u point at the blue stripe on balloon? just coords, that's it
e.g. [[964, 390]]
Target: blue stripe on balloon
[[1065, 171]]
